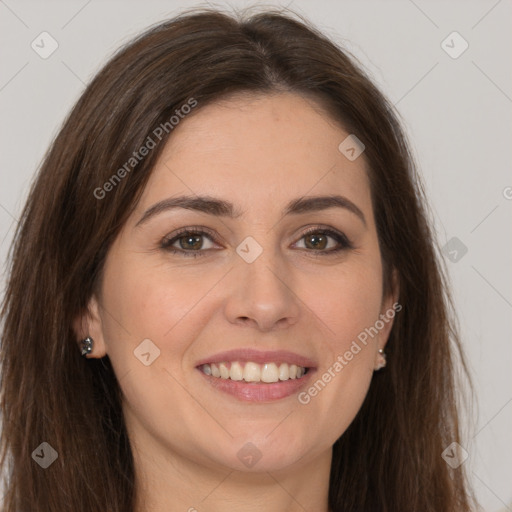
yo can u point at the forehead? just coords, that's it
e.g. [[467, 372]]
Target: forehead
[[258, 151]]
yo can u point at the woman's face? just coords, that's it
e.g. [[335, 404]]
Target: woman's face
[[249, 287]]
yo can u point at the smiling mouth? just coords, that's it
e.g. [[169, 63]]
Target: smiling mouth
[[251, 372]]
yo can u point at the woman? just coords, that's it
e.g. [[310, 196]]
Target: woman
[[225, 293]]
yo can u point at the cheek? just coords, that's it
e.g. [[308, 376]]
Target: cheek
[[348, 310], [144, 303], [350, 303], [149, 302], [139, 298]]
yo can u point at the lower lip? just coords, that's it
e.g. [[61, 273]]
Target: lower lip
[[258, 392]]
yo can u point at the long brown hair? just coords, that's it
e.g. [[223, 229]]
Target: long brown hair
[[389, 459]]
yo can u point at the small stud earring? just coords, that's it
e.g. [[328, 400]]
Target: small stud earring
[[382, 359], [86, 345]]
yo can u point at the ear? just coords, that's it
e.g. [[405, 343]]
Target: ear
[[89, 324], [389, 308]]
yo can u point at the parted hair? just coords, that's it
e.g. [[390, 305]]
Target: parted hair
[[389, 459]]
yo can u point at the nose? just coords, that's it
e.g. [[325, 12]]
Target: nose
[[262, 294]]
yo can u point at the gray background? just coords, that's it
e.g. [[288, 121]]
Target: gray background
[[456, 111]]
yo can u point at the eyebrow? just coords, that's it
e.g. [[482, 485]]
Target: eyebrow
[[221, 208]]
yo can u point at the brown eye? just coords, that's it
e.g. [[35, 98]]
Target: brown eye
[[188, 242], [318, 240]]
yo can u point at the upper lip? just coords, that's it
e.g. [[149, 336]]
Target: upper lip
[[258, 356]]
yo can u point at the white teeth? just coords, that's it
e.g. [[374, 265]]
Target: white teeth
[[215, 370], [270, 373], [236, 372], [254, 372], [284, 371], [224, 372]]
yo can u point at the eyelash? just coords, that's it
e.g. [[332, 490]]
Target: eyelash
[[167, 243]]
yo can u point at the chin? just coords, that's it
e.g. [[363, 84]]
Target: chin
[[259, 453]]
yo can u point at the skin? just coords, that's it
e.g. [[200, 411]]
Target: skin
[[258, 152]]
